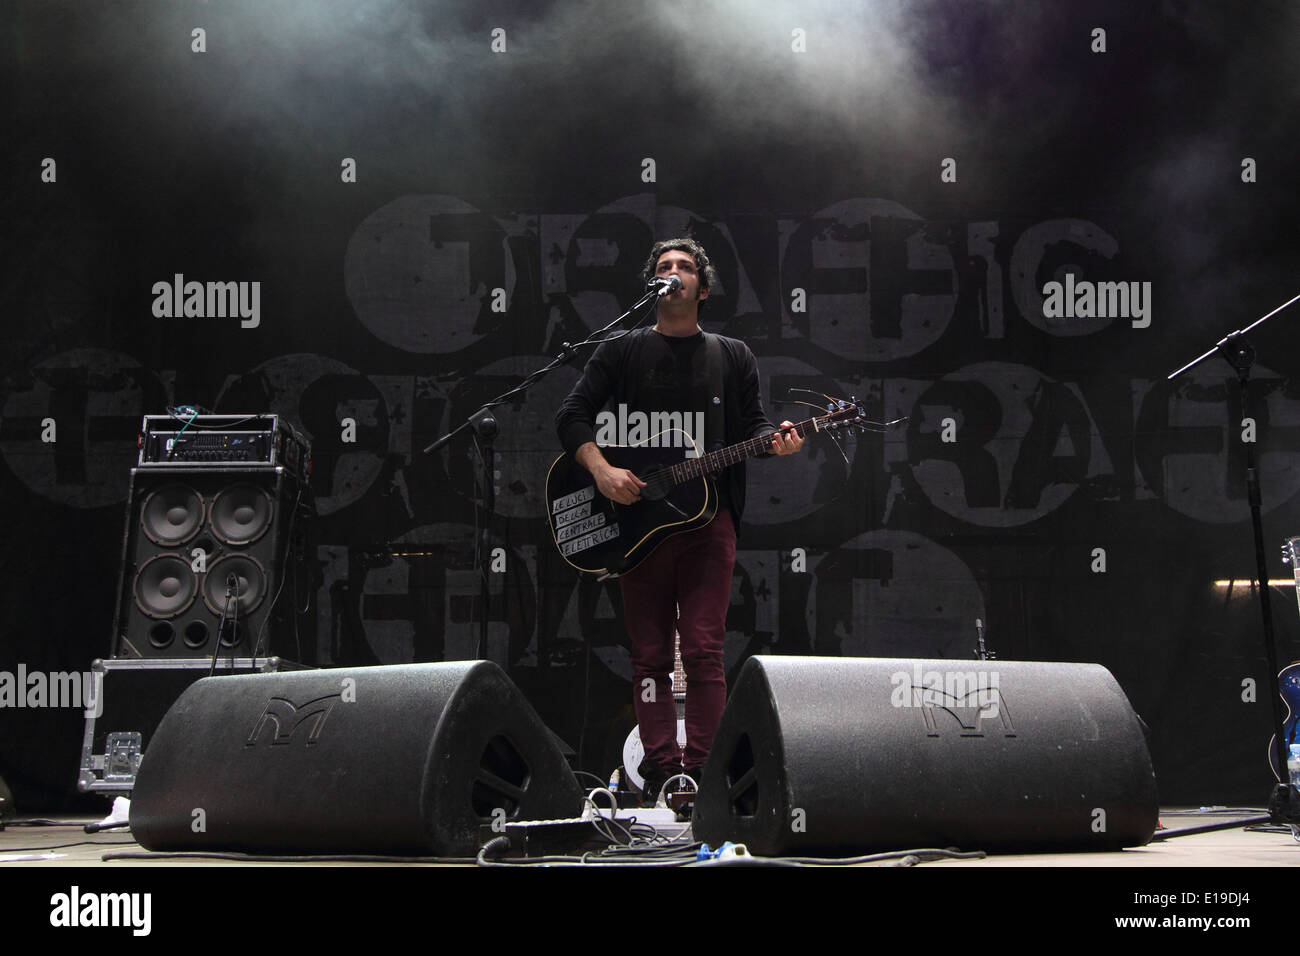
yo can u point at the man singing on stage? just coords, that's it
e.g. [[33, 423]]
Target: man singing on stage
[[684, 585]]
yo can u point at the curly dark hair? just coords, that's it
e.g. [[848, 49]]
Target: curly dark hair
[[708, 275]]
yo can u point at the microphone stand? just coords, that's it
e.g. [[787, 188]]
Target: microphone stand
[[982, 652], [484, 426], [232, 603], [1284, 802]]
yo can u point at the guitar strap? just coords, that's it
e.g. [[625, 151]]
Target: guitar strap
[[715, 431]]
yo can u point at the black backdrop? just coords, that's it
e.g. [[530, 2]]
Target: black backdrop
[[886, 189]]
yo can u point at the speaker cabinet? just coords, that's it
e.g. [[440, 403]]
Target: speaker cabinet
[[214, 560], [840, 755], [406, 759]]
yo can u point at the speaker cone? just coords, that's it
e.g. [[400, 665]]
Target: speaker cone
[[172, 514], [241, 514], [165, 586], [246, 580]]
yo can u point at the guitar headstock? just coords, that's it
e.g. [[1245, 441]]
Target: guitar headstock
[[850, 413], [1291, 556]]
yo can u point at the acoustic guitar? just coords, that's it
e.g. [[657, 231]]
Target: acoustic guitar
[[602, 537]]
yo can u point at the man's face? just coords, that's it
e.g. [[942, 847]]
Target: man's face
[[674, 262]]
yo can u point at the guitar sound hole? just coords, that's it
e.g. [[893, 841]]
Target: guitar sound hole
[[654, 490]]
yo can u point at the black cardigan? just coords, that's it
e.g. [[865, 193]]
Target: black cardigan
[[615, 373]]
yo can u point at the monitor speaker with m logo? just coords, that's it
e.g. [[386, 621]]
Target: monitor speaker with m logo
[[282, 718], [834, 756], [406, 759]]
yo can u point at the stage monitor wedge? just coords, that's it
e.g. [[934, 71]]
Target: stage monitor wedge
[[408, 759], [838, 756]]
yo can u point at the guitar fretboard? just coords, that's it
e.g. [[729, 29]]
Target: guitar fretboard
[[679, 671], [1293, 552], [732, 455]]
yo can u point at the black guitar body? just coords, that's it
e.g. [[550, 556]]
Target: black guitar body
[[597, 535], [1289, 686]]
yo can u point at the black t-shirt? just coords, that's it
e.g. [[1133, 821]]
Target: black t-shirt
[[649, 380]]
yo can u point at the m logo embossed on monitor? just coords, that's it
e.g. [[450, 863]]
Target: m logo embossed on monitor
[[285, 719]]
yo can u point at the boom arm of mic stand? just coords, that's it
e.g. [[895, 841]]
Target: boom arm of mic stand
[[566, 355], [1230, 337]]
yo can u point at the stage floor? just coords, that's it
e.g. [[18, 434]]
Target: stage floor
[[66, 844]]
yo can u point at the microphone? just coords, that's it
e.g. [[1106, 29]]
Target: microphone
[[665, 284]]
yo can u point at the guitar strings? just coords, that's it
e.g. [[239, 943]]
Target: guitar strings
[[755, 445]]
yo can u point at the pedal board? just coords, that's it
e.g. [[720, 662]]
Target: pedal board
[[573, 837]]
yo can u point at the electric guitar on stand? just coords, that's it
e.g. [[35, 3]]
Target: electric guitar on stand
[[1289, 679], [603, 537], [633, 748]]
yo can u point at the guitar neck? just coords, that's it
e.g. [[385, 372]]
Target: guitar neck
[[715, 461], [679, 671], [1291, 554]]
